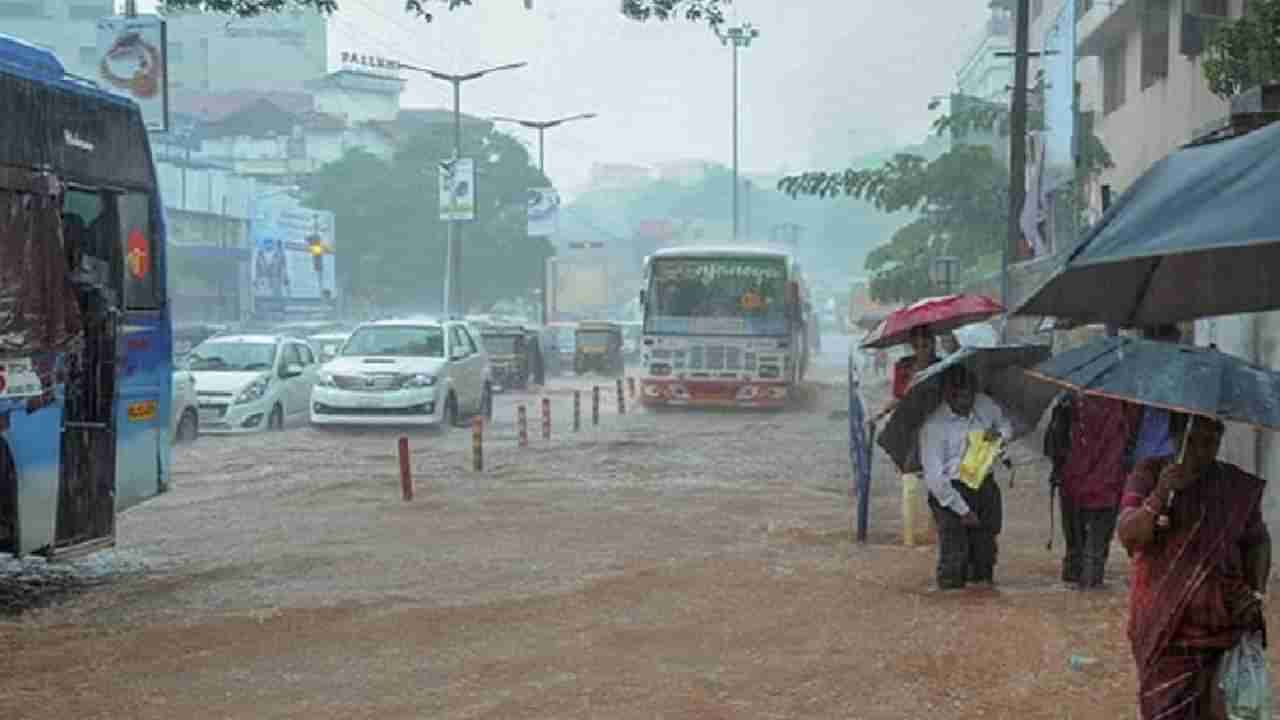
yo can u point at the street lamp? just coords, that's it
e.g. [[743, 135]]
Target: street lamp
[[453, 256], [740, 37], [542, 126]]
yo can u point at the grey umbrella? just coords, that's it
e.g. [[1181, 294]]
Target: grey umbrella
[[1197, 236], [1181, 378], [1000, 375]]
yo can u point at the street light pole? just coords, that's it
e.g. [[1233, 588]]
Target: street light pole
[[740, 37], [453, 248], [542, 126]]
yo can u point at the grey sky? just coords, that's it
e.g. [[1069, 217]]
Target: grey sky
[[827, 79]]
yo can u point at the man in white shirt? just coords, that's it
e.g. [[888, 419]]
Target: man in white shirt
[[968, 520]]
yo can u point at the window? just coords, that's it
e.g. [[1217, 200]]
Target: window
[[1155, 42], [142, 288], [459, 342], [1200, 19], [307, 357], [471, 343], [21, 9], [91, 11], [1113, 79], [291, 356]]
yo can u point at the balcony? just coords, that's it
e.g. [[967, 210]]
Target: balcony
[[1106, 23]]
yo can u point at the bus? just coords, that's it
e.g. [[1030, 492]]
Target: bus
[[86, 365], [723, 327]]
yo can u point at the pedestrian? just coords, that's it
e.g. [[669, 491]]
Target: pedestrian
[[924, 353], [1198, 582], [968, 520], [1091, 480], [950, 345]]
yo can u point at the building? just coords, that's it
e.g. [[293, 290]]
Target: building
[[1140, 69], [984, 77], [206, 52]]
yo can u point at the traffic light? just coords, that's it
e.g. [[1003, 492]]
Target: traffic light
[[316, 246]]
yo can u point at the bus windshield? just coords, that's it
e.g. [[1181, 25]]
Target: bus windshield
[[717, 296]]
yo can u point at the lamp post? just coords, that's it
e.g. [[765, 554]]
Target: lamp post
[[453, 253], [542, 126], [740, 37]]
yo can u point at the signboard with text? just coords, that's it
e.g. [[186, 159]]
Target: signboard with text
[[132, 61], [544, 212], [457, 190], [284, 266]]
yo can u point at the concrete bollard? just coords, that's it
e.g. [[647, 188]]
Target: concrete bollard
[[577, 410], [595, 405], [622, 399], [631, 387], [477, 444], [406, 475], [522, 426], [546, 418]]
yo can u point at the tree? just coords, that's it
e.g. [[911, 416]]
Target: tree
[[961, 197], [391, 242], [1245, 53], [710, 11]]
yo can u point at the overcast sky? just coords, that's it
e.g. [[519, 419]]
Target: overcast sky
[[826, 80]]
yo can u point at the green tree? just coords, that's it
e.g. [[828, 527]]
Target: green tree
[[391, 241], [1246, 52], [710, 11]]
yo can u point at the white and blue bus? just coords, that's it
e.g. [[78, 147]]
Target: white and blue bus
[[86, 360]]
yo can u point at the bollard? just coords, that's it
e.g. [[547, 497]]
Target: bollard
[[622, 399], [522, 426], [406, 477], [477, 443], [595, 405], [546, 418], [577, 410], [631, 387]]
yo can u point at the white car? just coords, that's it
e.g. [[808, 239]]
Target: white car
[[405, 372], [184, 426], [250, 383]]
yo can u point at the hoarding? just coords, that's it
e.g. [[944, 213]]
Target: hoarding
[[457, 190], [544, 212], [285, 264], [132, 60]]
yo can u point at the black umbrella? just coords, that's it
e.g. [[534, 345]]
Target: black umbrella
[[1197, 236], [999, 371], [1181, 378]]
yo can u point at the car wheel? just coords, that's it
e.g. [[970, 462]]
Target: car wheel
[[188, 428], [449, 415], [275, 423]]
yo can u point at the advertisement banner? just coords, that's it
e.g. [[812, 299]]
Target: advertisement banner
[[544, 212], [457, 190], [293, 251], [132, 61]]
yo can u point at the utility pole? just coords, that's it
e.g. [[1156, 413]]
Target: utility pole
[[740, 37], [542, 126], [453, 248], [1017, 150]]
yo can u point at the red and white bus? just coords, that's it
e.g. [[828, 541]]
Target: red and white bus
[[723, 327]]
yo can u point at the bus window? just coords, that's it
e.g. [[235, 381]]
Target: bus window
[[141, 287]]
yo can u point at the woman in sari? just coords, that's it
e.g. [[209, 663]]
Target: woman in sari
[[1198, 578]]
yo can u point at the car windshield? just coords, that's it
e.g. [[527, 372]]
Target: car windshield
[[233, 356], [593, 340], [500, 344], [403, 341]]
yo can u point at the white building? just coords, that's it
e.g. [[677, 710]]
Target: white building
[[983, 74]]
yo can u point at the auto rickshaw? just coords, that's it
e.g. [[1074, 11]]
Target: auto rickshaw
[[515, 358], [598, 348]]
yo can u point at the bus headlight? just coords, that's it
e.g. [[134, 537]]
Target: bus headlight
[[659, 369], [770, 371]]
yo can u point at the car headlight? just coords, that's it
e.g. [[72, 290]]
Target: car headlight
[[253, 391], [420, 381], [325, 379]]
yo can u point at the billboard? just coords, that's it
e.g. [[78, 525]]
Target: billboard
[[293, 251], [132, 60], [457, 190], [544, 212]]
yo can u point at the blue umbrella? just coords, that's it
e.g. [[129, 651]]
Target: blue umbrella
[[859, 454], [1194, 380], [1196, 236]]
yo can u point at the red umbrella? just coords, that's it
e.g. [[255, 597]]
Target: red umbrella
[[938, 314]]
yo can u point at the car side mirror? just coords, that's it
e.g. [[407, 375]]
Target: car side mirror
[[292, 370]]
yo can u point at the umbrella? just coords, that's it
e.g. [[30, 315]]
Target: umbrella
[[859, 455], [869, 320], [1181, 378], [1000, 375], [939, 314], [1197, 236]]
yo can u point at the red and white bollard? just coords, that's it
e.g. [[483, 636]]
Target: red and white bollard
[[622, 399], [595, 405], [522, 426], [631, 387], [577, 410], [406, 474], [546, 418], [477, 443]]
